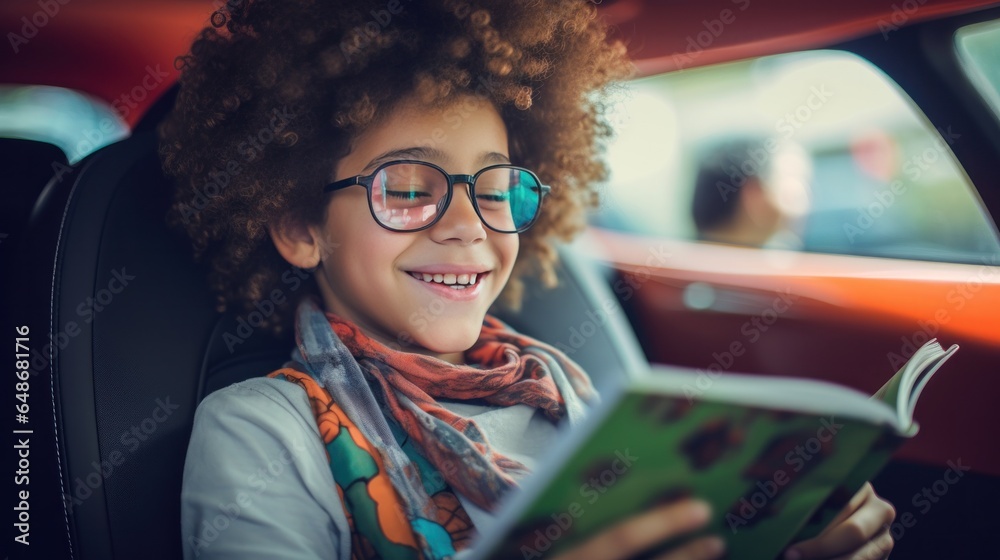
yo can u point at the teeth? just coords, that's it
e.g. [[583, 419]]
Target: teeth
[[454, 280]]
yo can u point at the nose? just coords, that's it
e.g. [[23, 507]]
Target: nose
[[460, 222]]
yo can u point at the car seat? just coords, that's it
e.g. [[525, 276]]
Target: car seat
[[136, 344]]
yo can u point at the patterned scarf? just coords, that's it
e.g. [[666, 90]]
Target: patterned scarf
[[396, 454]]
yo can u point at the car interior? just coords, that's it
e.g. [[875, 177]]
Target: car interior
[[117, 391]]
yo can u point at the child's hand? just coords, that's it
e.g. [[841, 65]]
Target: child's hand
[[860, 531], [639, 533]]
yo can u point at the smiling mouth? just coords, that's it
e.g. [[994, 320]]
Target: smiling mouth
[[453, 281]]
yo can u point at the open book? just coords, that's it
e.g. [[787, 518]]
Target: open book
[[776, 457]]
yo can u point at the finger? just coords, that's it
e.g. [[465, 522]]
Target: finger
[[638, 533], [876, 549], [851, 534], [706, 548], [860, 497]]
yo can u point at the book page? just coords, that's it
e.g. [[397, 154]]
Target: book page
[[903, 389]]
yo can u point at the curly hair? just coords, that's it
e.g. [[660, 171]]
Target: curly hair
[[273, 92]]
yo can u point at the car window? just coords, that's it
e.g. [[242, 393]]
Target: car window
[[816, 151], [978, 46], [76, 123]]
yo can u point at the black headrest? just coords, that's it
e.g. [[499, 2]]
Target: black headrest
[[130, 316], [27, 165], [132, 321]]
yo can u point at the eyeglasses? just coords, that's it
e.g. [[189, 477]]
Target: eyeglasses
[[411, 196]]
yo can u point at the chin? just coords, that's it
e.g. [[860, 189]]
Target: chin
[[449, 337]]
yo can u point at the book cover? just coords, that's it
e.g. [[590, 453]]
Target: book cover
[[776, 457]]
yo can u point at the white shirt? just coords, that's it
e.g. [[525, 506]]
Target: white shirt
[[257, 481]]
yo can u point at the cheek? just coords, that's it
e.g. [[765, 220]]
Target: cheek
[[508, 246], [367, 252], [514, 245], [361, 249], [349, 226]]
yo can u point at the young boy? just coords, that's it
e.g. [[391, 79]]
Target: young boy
[[402, 153]]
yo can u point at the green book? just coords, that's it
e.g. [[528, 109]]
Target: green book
[[777, 458]]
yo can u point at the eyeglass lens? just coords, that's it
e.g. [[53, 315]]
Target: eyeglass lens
[[407, 196]]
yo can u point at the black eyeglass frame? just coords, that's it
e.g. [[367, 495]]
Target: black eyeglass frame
[[366, 181]]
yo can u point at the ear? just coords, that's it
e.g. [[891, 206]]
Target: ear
[[298, 243]]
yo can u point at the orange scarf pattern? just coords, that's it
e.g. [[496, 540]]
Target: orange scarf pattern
[[398, 456], [505, 377]]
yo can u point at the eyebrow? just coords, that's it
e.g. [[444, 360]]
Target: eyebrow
[[427, 153]]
